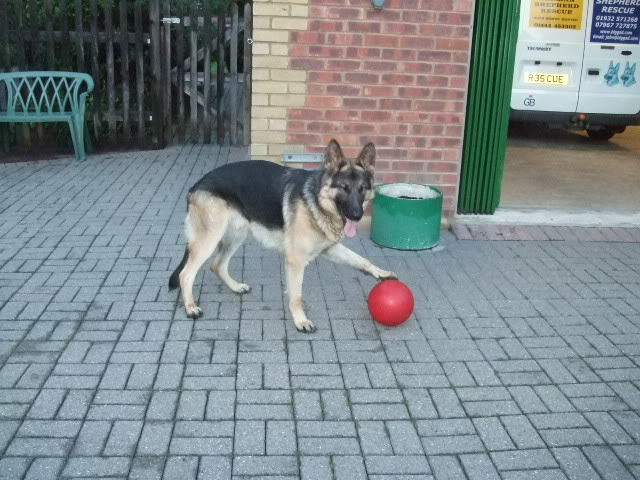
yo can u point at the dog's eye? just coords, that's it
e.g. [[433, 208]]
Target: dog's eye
[[345, 187]]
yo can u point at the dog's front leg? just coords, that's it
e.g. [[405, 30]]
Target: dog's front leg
[[295, 276], [340, 254]]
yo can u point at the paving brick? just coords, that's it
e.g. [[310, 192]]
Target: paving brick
[[447, 403], [527, 400], [181, 467], [404, 438], [630, 421], [116, 412], [276, 376], [13, 467], [606, 463], [75, 405], [349, 467], [96, 467], [39, 447], [559, 420], [523, 459], [447, 468], [493, 434], [169, 377], [355, 376], [608, 428], [380, 411], [92, 438], [35, 376], [249, 438], [214, 468], [162, 406], [452, 445], [381, 375], [564, 437], [629, 393], [554, 399], [445, 427], [455, 350], [328, 446], [264, 412], [47, 404], [335, 405], [491, 408], [123, 438], [523, 434], [550, 474], [155, 438], [374, 439], [192, 405], [316, 468], [458, 374], [115, 376], [49, 428], [201, 446], [45, 469], [397, 465], [307, 405], [628, 454], [264, 466], [281, 438], [7, 430], [574, 464]]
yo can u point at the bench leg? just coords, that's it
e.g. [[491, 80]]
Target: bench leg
[[76, 137], [87, 138]]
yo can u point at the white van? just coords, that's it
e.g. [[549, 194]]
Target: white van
[[577, 65]]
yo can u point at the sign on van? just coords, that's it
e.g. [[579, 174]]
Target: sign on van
[[616, 21], [564, 14]]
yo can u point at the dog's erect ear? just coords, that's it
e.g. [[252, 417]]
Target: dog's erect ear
[[367, 157], [333, 158]]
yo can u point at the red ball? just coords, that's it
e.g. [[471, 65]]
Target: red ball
[[390, 303]]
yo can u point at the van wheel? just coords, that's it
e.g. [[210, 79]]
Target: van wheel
[[601, 135]]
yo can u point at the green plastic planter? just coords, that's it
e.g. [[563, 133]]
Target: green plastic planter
[[406, 216]]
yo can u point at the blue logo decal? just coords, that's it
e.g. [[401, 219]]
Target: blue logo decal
[[629, 76], [612, 75]]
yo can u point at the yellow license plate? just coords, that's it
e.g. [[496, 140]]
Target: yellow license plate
[[547, 78]]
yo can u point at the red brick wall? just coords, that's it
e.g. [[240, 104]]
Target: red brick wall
[[396, 76]]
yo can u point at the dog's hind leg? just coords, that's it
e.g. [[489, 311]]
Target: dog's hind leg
[[232, 240], [206, 225]]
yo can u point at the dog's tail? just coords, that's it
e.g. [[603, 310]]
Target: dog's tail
[[174, 280]]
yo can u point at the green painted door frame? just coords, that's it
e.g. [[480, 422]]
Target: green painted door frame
[[495, 35]]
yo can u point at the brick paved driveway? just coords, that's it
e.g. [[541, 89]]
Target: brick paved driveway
[[522, 360]]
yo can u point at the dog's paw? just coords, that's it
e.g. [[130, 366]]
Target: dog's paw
[[306, 326], [194, 312], [241, 288], [380, 274], [388, 276]]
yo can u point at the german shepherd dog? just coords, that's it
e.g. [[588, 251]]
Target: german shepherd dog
[[299, 212]]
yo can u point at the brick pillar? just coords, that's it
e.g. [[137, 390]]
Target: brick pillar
[[276, 87]]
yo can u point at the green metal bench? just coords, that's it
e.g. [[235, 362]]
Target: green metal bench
[[47, 97]]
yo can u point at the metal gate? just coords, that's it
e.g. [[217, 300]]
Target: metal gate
[[487, 121], [201, 66]]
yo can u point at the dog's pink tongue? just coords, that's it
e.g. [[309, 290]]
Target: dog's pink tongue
[[350, 228]]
